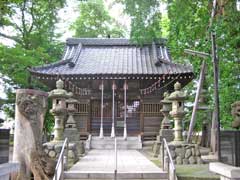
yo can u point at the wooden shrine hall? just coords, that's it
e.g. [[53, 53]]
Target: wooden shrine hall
[[119, 85]]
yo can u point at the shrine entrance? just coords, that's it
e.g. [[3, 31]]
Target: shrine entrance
[[132, 117]]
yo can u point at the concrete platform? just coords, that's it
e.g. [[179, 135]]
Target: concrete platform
[[99, 164]]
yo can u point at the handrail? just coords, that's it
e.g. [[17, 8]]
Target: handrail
[[115, 149], [170, 165], [59, 170]]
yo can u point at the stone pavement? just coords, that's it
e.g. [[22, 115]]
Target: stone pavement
[[100, 164]]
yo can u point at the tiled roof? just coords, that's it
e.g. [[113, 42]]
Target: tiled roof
[[94, 56]]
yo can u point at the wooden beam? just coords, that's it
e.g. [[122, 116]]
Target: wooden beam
[[192, 122], [197, 53], [216, 120]]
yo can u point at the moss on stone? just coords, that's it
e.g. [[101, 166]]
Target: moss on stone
[[195, 172], [192, 172]]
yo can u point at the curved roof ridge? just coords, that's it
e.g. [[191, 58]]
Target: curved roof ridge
[[109, 41], [83, 57]]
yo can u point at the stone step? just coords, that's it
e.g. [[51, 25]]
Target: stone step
[[109, 143], [73, 175], [131, 138], [118, 179]]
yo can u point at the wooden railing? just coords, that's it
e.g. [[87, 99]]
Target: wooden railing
[[59, 170], [167, 162]]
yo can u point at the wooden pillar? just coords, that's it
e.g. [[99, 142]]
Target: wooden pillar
[[216, 93], [89, 121], [125, 110], [101, 125], [141, 117], [113, 108]]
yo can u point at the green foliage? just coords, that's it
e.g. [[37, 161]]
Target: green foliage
[[145, 19], [189, 21], [187, 27], [33, 22], [15, 62], [48, 127], [95, 21]]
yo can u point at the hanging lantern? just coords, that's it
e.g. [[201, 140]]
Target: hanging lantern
[[238, 5]]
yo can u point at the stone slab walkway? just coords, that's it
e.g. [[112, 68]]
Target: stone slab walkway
[[131, 164], [103, 160]]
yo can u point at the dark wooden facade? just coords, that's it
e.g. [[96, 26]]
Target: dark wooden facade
[[143, 116]]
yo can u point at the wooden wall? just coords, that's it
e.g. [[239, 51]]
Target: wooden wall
[[4, 145], [151, 117]]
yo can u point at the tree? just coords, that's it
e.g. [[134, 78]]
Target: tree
[[189, 28], [33, 22], [95, 21], [145, 19]]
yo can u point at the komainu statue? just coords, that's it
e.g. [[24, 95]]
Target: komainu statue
[[31, 106], [236, 114]]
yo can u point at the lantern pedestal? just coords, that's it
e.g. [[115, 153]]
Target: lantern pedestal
[[53, 150], [185, 153]]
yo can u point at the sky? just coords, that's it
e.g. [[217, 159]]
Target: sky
[[70, 12]]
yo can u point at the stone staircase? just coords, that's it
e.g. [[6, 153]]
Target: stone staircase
[[99, 164], [99, 161], [120, 176], [133, 142]]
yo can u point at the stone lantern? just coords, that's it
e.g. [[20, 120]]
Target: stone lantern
[[205, 113], [71, 131], [165, 131], [182, 152], [166, 108], [59, 109], [177, 97]]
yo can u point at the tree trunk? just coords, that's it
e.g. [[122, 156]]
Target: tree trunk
[[31, 106]]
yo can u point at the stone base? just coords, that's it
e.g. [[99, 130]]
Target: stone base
[[183, 153], [168, 134], [72, 134], [164, 133], [6, 169], [74, 137], [156, 148], [80, 147], [225, 171], [53, 150]]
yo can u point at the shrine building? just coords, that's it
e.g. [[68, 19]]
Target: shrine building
[[119, 85]]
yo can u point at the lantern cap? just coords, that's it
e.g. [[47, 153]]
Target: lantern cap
[[177, 86], [177, 94], [59, 84], [166, 100], [60, 92], [72, 101]]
